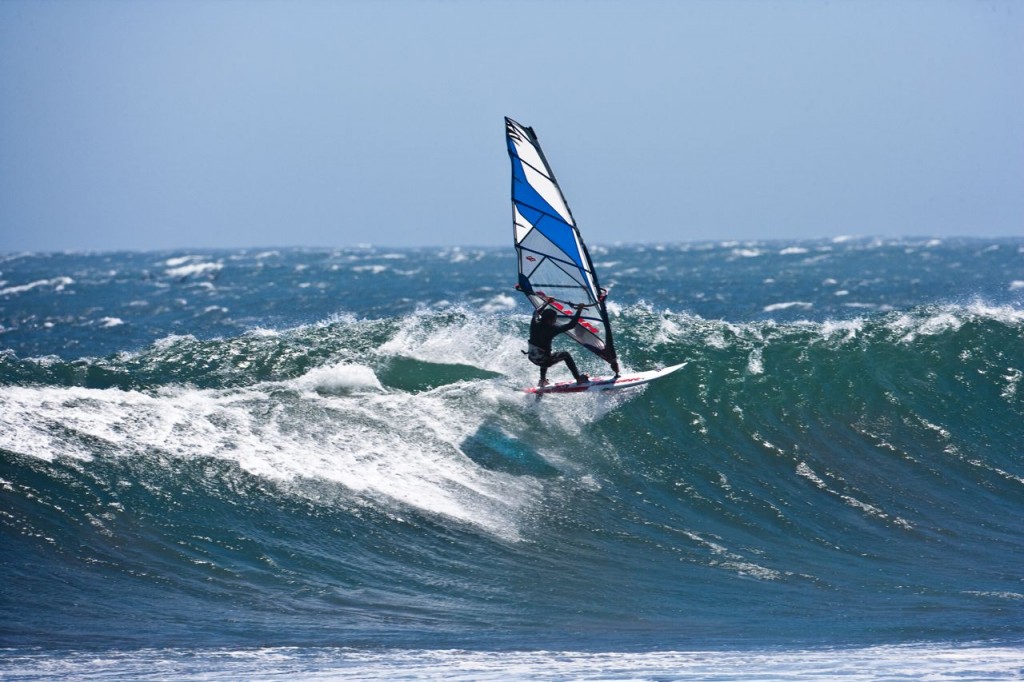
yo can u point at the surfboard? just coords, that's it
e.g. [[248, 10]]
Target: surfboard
[[605, 383]]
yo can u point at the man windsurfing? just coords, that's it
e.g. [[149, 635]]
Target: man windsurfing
[[543, 331]]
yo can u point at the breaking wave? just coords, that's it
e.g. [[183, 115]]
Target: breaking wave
[[385, 482]]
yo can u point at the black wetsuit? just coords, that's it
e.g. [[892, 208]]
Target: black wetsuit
[[541, 336]]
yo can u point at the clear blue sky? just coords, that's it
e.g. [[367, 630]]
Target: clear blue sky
[[150, 125]]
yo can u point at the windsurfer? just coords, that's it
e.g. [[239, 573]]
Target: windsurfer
[[543, 330]]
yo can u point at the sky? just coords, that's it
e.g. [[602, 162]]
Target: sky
[[233, 123]]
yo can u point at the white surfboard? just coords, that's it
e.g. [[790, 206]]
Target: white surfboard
[[605, 383]]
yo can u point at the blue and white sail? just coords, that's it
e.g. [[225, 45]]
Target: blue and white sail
[[553, 260]]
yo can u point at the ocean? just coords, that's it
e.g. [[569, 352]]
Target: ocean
[[319, 464]]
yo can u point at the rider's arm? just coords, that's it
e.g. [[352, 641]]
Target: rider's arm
[[538, 311], [574, 321]]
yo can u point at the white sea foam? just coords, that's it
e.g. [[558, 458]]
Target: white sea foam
[[669, 329], [375, 269], [477, 341], [614, 309], [58, 284], [747, 253], [934, 662], [805, 471], [1016, 596], [180, 260], [951, 318], [191, 269], [500, 303], [804, 305], [848, 329], [755, 363], [335, 424], [458, 255], [1005, 314], [1012, 378], [108, 322], [340, 378]]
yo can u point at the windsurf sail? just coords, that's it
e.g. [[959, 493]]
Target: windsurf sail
[[553, 260]]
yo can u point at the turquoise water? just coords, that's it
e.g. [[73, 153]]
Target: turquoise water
[[320, 460]]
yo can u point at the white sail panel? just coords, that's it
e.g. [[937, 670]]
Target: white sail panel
[[549, 191], [522, 227]]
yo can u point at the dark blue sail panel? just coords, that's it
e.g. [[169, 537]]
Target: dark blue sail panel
[[542, 216], [553, 260]]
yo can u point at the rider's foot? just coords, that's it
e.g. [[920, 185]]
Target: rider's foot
[[582, 379]]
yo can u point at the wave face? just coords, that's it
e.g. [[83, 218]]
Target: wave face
[[344, 474]]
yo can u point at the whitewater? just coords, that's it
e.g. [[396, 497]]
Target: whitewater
[[319, 464]]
